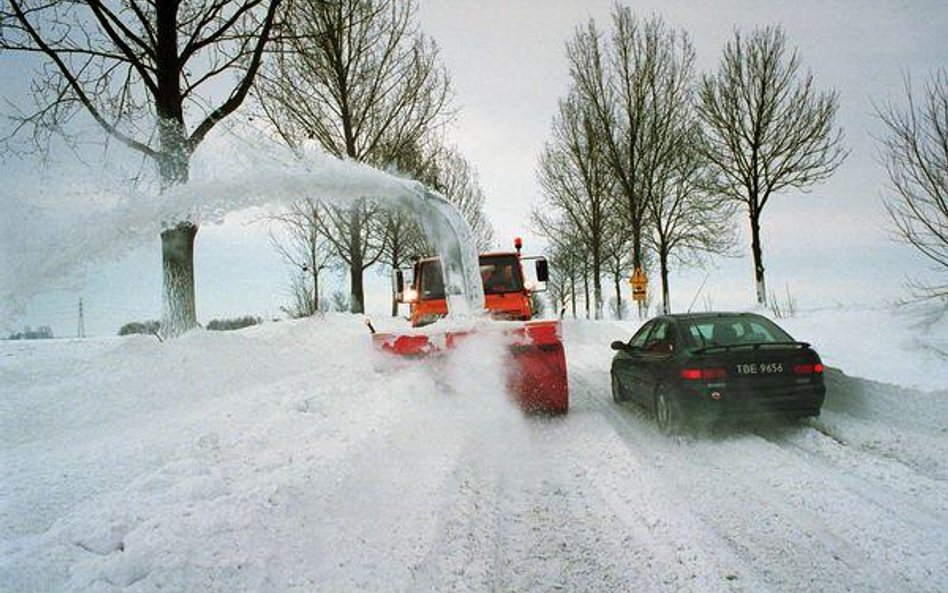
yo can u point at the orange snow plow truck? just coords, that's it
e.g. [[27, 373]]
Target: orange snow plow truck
[[536, 373]]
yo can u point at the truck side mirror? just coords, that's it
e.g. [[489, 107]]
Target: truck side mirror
[[543, 270]]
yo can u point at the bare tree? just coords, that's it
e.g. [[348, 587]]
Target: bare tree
[[597, 74], [359, 78], [689, 223], [137, 68], [305, 249], [357, 236], [621, 80], [685, 220], [618, 264], [915, 153], [577, 186], [769, 129], [567, 255], [566, 267]]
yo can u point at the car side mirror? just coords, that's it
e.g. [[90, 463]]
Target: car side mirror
[[618, 345]]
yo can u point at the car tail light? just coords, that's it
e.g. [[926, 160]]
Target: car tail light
[[703, 374], [807, 369]]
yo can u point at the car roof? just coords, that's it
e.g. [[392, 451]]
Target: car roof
[[709, 315]]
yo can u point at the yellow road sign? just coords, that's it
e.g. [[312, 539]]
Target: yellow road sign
[[639, 283]]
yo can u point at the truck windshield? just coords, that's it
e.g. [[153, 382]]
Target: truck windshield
[[499, 274], [430, 283]]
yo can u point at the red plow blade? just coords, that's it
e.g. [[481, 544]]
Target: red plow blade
[[537, 371]]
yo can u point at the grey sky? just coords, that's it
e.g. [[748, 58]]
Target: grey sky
[[507, 62]]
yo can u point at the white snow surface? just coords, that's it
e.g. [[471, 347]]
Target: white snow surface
[[293, 457]]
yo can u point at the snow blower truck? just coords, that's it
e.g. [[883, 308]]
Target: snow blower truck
[[467, 288]]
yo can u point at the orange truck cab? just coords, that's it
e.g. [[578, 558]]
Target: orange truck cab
[[507, 291]]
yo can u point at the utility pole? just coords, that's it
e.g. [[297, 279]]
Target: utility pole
[[81, 330]]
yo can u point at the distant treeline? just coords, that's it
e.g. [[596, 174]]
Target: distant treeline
[[43, 332], [234, 323], [150, 327], [153, 327]]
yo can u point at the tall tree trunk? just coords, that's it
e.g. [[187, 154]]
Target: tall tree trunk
[[572, 294], [177, 243], [597, 284], [663, 259], [177, 255], [618, 281], [394, 296], [586, 289], [355, 281], [315, 307], [758, 259], [356, 290], [315, 271]]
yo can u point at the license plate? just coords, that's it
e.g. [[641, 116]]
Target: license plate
[[759, 368]]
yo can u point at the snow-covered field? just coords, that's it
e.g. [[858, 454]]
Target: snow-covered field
[[292, 457]]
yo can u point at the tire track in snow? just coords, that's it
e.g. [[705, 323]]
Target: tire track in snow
[[897, 423], [524, 518], [880, 480], [770, 508], [676, 547]]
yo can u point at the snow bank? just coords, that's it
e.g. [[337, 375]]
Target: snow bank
[[292, 456], [905, 346], [136, 463]]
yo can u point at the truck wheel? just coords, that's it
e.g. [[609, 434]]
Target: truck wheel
[[667, 414], [617, 390]]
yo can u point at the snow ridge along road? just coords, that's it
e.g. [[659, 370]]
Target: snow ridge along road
[[291, 457]]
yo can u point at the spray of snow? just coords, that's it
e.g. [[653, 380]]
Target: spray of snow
[[59, 220]]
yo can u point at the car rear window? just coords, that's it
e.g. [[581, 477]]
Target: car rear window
[[733, 331]]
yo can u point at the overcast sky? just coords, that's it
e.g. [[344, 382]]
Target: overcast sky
[[507, 63]]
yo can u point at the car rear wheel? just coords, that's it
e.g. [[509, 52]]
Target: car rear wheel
[[617, 395], [667, 414]]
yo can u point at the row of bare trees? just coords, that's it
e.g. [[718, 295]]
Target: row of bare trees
[[645, 160], [309, 238], [648, 163], [355, 76], [359, 78]]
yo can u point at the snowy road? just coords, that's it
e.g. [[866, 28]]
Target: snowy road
[[265, 473]]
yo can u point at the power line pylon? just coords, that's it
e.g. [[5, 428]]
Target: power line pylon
[[81, 330]]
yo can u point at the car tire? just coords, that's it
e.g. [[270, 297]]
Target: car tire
[[617, 395], [668, 415]]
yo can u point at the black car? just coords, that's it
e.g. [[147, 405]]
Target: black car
[[716, 365]]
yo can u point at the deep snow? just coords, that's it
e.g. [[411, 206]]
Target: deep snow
[[292, 457]]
